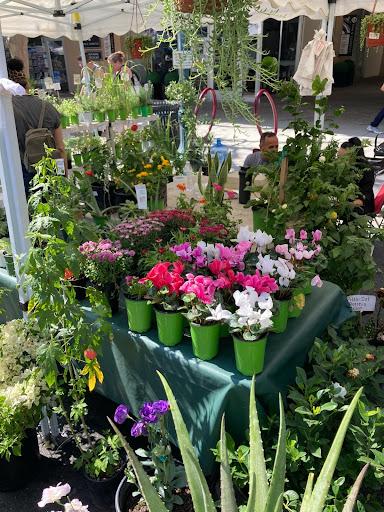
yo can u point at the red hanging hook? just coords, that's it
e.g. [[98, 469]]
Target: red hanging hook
[[256, 108], [202, 95]]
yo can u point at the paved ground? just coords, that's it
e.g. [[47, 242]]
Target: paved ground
[[361, 102]]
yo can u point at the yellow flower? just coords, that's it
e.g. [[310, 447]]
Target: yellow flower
[[142, 174], [164, 161], [148, 166], [159, 167]]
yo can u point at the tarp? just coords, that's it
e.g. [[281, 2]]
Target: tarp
[[52, 18]]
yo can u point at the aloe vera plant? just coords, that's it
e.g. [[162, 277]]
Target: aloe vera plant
[[217, 178], [264, 496]]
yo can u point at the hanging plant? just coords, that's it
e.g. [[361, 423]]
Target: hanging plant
[[139, 46], [372, 30], [228, 52]]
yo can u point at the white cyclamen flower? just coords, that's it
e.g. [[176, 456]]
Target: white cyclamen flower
[[75, 506], [265, 301], [218, 314], [322, 159], [262, 240], [245, 235], [340, 391], [265, 264], [54, 494]]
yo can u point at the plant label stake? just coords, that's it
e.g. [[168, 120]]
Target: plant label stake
[[141, 195]]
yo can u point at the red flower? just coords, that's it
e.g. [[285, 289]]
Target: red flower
[[217, 187], [89, 173], [90, 354], [178, 267], [216, 267], [161, 250], [134, 128], [68, 274]]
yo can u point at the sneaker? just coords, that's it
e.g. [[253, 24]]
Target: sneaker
[[373, 129]]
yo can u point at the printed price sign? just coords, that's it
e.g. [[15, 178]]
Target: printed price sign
[[56, 86], [362, 302], [182, 59], [77, 79], [141, 195], [48, 82], [60, 166]]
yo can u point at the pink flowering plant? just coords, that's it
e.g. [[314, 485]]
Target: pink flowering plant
[[105, 262], [165, 280], [166, 475], [55, 494], [138, 233]]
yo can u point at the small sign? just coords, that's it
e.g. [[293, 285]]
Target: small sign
[[98, 83], [362, 302], [56, 86], [48, 82], [76, 79], [60, 166], [182, 60], [141, 195], [374, 35]]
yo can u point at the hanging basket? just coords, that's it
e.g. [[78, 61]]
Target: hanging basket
[[375, 36], [204, 6]]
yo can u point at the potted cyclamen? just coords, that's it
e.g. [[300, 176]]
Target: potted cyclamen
[[249, 326], [205, 322], [139, 309], [165, 293], [105, 263]]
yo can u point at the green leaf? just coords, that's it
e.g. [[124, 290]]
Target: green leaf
[[201, 497], [305, 504], [257, 467], [228, 501], [320, 491], [352, 496], [276, 487], [148, 492]]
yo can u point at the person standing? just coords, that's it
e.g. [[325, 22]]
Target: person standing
[[32, 113], [120, 68], [374, 126]]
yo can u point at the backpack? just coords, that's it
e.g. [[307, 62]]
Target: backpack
[[35, 140]]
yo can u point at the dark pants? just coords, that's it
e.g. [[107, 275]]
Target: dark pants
[[378, 118], [27, 177]]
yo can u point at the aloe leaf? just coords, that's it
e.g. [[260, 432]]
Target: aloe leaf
[[149, 493], [307, 494], [228, 500], [323, 482], [200, 183], [257, 468], [201, 497], [352, 496], [276, 486]]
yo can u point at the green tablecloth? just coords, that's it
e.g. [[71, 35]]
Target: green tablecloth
[[205, 390]]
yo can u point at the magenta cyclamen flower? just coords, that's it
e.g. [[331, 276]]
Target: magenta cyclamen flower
[[303, 234], [202, 286], [290, 235], [121, 414], [258, 282], [316, 235]]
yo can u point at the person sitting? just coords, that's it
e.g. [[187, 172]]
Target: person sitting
[[269, 146], [27, 111], [366, 201]]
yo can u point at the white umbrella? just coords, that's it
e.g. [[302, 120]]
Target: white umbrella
[[288, 9]]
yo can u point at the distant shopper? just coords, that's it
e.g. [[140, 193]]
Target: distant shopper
[[90, 64], [32, 113], [366, 201], [15, 68], [121, 69], [373, 127], [269, 146]]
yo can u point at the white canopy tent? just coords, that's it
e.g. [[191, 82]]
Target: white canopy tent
[[53, 18]]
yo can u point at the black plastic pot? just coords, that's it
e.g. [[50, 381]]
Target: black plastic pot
[[124, 491], [102, 491], [79, 286], [18, 471], [102, 196], [244, 181], [119, 196]]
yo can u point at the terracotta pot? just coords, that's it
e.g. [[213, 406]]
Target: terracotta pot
[[375, 36], [205, 6]]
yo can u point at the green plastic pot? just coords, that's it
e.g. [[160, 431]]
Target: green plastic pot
[[296, 304], [139, 314], [78, 159], [144, 111], [74, 119], [280, 319], [205, 340], [64, 121], [224, 331], [136, 112], [170, 327], [10, 264], [123, 113], [99, 116], [249, 355], [112, 115]]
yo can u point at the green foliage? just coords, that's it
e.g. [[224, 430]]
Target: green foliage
[[213, 192], [102, 459]]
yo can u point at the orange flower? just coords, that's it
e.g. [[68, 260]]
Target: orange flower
[[148, 166], [159, 167], [68, 274], [181, 187], [202, 200]]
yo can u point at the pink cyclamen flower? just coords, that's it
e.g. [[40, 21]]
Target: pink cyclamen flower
[[53, 494], [231, 194], [217, 187], [290, 235], [303, 234], [316, 235], [316, 281]]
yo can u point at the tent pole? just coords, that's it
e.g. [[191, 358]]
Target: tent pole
[[12, 182], [180, 48]]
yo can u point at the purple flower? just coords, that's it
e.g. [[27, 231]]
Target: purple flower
[[161, 407], [316, 281], [303, 234], [316, 235], [121, 414], [148, 413], [139, 429], [290, 235]]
